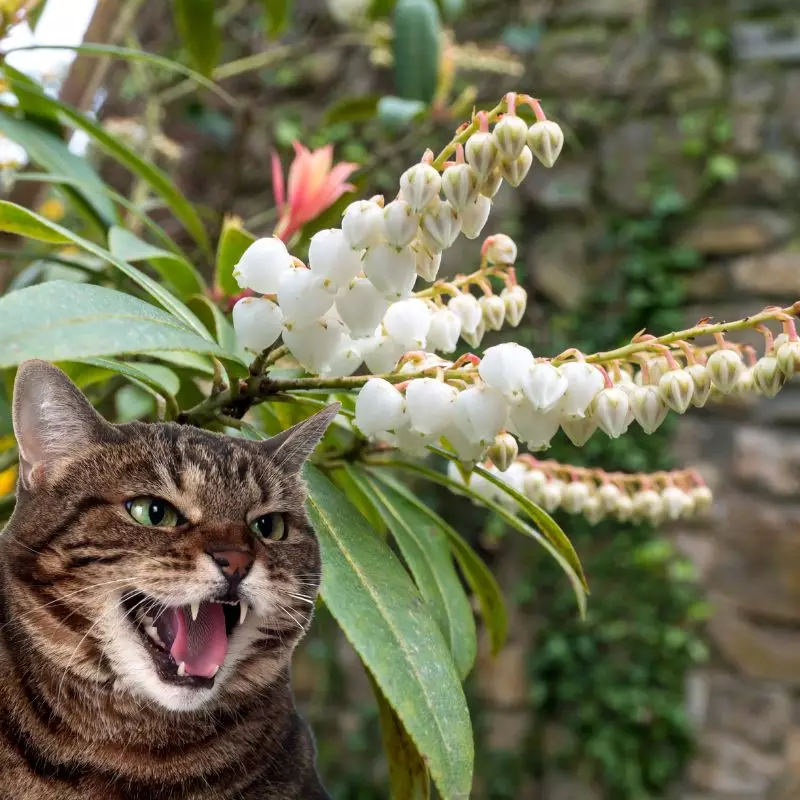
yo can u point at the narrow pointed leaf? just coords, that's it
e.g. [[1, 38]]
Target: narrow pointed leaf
[[194, 20], [277, 14]]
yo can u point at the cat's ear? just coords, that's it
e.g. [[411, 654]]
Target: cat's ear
[[52, 419], [292, 447]]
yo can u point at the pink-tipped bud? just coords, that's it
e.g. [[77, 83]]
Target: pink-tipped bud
[[400, 223], [516, 300], [725, 367], [788, 355], [677, 388], [768, 376], [440, 226], [481, 153], [494, 311], [474, 217], [503, 451], [515, 170], [460, 185], [419, 185], [510, 136], [702, 384], [501, 249], [546, 139]]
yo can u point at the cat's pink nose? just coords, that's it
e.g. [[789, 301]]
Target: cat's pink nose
[[234, 564]]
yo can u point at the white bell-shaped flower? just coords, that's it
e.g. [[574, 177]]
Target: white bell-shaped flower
[[593, 510], [303, 296], [516, 300], [544, 385], [411, 441], [514, 478], [768, 377], [702, 499], [624, 510], [380, 406], [546, 139], [467, 450], [419, 185], [440, 226], [381, 352], [647, 504], [361, 307], [481, 413], [648, 406], [609, 495], [494, 311], [656, 367], [552, 494], [503, 451], [511, 135], [430, 404], [362, 224], [466, 307], [702, 384], [262, 266], [725, 367], [257, 322], [474, 217], [481, 153], [788, 355], [331, 256], [579, 429], [474, 338], [533, 484], [674, 501], [408, 322], [346, 360], [745, 385], [535, 428], [444, 330], [400, 223], [677, 387], [315, 345], [460, 185], [574, 497], [427, 261], [504, 367], [610, 408], [515, 170], [393, 271], [501, 249], [583, 382], [490, 185]]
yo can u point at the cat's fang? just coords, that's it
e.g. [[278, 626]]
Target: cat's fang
[[195, 610], [243, 608], [181, 669]]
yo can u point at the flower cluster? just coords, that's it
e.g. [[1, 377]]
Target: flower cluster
[[595, 494]]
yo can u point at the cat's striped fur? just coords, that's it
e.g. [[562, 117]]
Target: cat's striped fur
[[83, 713]]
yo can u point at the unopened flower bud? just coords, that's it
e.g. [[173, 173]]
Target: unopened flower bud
[[474, 216], [647, 504], [656, 367], [745, 385], [574, 497], [474, 338], [315, 345], [494, 311], [788, 355], [480, 413], [516, 300], [583, 382], [481, 153], [624, 510], [303, 296], [724, 368], [510, 135], [400, 223], [503, 451], [379, 407], [466, 307], [533, 484], [515, 170], [408, 322], [677, 387], [544, 385], [257, 322], [552, 494], [504, 367], [262, 266], [331, 256], [768, 377], [535, 428], [392, 270], [460, 185], [440, 226], [361, 307], [648, 406], [445, 328], [546, 139], [490, 185], [579, 429], [419, 185], [702, 498], [593, 510], [430, 404], [362, 224], [702, 384], [675, 501], [610, 409], [609, 495], [501, 249]]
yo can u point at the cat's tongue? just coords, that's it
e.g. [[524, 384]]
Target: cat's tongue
[[200, 644]]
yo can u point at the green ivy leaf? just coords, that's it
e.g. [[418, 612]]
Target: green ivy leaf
[[387, 622], [194, 20]]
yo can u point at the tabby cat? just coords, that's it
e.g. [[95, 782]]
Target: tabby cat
[[154, 581]]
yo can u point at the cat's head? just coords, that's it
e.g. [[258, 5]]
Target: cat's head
[[166, 561]]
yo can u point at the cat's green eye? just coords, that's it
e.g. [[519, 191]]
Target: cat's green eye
[[271, 527], [153, 512]]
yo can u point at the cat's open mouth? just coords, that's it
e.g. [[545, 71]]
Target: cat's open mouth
[[188, 643]]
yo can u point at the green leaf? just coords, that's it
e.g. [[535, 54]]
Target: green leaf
[[160, 378], [426, 551], [475, 572], [358, 108], [186, 360], [52, 154], [408, 775], [154, 177], [395, 112], [16, 219], [58, 321], [387, 622], [174, 269], [277, 14], [344, 478], [233, 241], [416, 49], [218, 323], [132, 403], [451, 9], [194, 20]]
